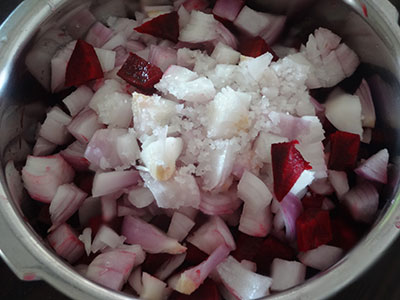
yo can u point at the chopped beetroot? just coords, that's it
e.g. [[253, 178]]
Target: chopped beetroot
[[165, 26], [270, 249], [153, 262], [140, 73], [83, 66], [190, 5], [246, 247], [312, 200], [207, 291], [344, 150], [313, 228], [287, 166], [255, 47]]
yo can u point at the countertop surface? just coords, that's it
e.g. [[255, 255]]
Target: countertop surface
[[381, 281]]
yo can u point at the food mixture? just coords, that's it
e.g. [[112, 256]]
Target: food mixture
[[189, 158]]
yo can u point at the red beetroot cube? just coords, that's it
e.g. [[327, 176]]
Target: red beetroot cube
[[140, 73], [270, 249], [247, 247], [255, 47], [207, 291], [346, 233], [344, 150], [287, 166], [83, 66], [312, 200], [165, 26], [313, 228]]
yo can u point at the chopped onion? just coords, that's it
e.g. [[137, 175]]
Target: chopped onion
[[43, 147], [223, 203], [98, 35], [74, 155], [321, 258], [86, 239], [228, 9], [66, 244], [106, 59], [152, 288], [135, 280], [54, 128], [179, 227], [211, 235], [106, 237], [362, 202], [167, 268], [291, 208], [43, 175], [236, 279], [375, 167], [109, 206], [339, 182], [65, 203], [78, 100], [314, 154], [286, 274], [191, 279], [84, 125], [162, 57], [149, 237], [140, 197], [367, 105], [111, 182], [224, 54], [249, 265], [272, 32]]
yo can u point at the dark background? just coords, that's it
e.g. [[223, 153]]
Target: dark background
[[381, 281]]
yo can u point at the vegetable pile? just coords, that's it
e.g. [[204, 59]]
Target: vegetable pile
[[189, 158]]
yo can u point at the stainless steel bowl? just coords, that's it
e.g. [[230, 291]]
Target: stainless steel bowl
[[376, 39]]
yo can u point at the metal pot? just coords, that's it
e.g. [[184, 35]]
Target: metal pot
[[371, 31]]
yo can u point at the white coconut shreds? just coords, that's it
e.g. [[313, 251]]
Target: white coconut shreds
[[220, 133]]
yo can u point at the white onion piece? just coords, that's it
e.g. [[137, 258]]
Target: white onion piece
[[191, 279], [344, 112], [106, 237], [224, 54], [251, 21], [321, 258], [375, 167], [43, 147], [152, 288], [322, 186], [227, 9], [59, 64], [43, 175], [112, 104], [225, 36], [362, 202], [263, 143], [84, 125], [78, 100], [211, 235], [98, 35], [272, 32], [54, 127], [228, 114], [86, 239], [348, 59], [200, 28], [188, 211], [327, 204], [109, 206], [222, 203], [90, 208], [162, 57], [117, 40], [106, 59], [149, 237], [160, 157], [65, 203], [111, 182], [140, 197], [339, 182], [112, 268], [279, 221], [367, 136], [286, 274], [181, 190], [299, 188], [168, 267], [367, 105], [220, 166], [249, 265], [102, 151], [307, 130], [77, 21], [154, 11], [256, 218], [236, 279], [186, 85], [74, 155], [134, 46], [291, 209], [128, 148], [135, 280], [314, 154], [66, 243], [179, 227]]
